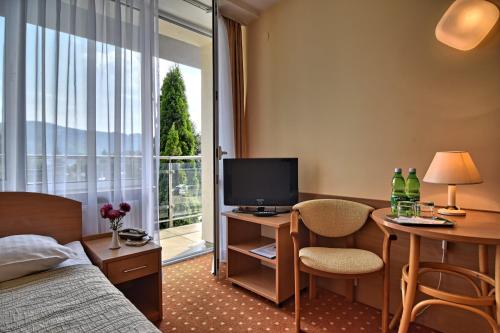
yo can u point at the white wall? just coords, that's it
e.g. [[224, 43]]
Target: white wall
[[355, 88]]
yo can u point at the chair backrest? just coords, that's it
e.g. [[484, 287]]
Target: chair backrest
[[333, 217]]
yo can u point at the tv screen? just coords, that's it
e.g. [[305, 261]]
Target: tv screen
[[261, 182]]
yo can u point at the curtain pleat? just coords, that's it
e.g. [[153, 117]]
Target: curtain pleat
[[237, 79], [118, 103], [150, 104], [79, 112], [92, 206], [13, 129]]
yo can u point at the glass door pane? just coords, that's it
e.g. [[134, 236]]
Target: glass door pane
[[186, 122]]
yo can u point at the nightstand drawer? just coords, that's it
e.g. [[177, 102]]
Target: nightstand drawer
[[133, 268]]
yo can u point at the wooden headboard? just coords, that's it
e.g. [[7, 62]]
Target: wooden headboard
[[40, 214]]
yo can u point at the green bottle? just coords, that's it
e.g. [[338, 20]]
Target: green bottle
[[398, 190], [412, 189]]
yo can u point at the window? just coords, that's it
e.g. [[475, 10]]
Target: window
[[57, 110]]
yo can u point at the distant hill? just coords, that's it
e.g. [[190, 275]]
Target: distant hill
[[76, 143]]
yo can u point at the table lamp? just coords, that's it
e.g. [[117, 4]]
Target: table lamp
[[452, 168]]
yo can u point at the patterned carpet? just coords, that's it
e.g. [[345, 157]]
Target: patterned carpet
[[195, 301]]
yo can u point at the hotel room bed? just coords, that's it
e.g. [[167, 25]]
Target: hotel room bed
[[75, 296]]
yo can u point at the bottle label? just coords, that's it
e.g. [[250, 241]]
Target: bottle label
[[394, 202], [413, 197]]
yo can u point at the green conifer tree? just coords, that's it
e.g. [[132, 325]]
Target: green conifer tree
[[172, 147], [174, 110], [178, 137]]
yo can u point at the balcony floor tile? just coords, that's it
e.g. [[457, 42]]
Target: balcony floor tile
[[181, 241]]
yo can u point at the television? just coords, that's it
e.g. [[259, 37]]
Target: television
[[261, 182]]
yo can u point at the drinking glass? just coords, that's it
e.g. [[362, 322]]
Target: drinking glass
[[406, 209], [425, 209]]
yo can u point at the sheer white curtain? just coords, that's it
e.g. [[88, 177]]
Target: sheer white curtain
[[79, 112], [226, 123]]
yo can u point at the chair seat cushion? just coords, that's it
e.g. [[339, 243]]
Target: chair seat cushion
[[340, 260]]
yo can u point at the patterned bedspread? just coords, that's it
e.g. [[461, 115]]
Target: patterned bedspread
[[71, 299]]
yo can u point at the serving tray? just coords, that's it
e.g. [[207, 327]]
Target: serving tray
[[436, 221]]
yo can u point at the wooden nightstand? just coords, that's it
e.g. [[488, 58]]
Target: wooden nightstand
[[135, 271]]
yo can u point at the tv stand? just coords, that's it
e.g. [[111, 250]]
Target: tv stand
[[260, 209], [270, 278]]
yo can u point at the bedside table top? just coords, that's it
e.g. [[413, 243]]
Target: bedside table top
[[99, 246]]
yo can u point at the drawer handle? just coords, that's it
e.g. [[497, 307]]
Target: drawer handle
[[134, 269]]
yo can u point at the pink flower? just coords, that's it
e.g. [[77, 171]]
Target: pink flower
[[105, 210], [125, 207], [114, 214]]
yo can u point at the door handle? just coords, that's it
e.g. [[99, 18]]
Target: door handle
[[219, 153]]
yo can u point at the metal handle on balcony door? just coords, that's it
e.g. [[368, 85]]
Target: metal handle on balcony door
[[219, 153]]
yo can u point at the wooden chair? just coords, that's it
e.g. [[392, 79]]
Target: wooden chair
[[336, 218]]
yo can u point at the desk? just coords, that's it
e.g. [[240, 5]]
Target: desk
[[481, 228]]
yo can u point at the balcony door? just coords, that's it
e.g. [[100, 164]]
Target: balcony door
[[186, 184]]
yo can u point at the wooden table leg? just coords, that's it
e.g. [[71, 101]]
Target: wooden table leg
[[411, 288], [397, 316], [483, 268], [497, 282]]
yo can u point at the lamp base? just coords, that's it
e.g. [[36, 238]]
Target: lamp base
[[451, 211]]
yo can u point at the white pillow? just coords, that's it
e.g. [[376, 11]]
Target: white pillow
[[80, 259], [25, 254]]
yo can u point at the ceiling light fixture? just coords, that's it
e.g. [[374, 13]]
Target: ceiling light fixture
[[466, 23]]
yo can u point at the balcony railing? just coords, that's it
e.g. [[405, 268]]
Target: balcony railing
[[179, 181], [68, 173], [180, 190]]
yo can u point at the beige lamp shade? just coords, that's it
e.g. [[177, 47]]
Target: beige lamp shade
[[452, 167], [466, 22]]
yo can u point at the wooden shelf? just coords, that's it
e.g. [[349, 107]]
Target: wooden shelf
[[277, 221], [269, 278], [245, 248], [260, 280]]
